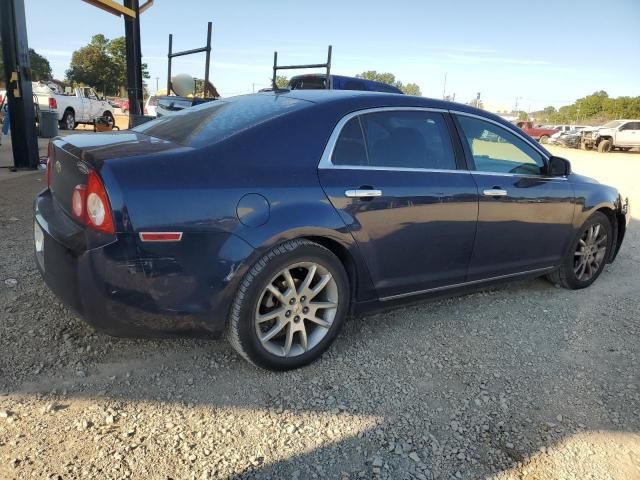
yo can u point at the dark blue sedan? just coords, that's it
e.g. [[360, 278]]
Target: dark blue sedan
[[273, 217]]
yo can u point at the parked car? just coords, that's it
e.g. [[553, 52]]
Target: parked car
[[338, 82], [569, 139], [539, 133], [170, 104], [621, 134], [273, 217], [83, 106]]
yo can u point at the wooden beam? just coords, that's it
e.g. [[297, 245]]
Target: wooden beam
[[112, 7]]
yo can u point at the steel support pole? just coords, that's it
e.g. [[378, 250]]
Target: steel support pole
[[207, 60], [15, 48], [134, 61], [169, 58]]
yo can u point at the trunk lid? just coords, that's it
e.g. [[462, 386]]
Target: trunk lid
[[73, 156]]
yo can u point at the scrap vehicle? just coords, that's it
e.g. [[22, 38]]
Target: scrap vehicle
[[326, 81], [617, 134], [539, 133], [271, 218], [79, 105]]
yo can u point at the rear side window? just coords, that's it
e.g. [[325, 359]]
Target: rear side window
[[214, 121], [396, 139]]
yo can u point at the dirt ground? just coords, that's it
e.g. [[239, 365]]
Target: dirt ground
[[526, 381]]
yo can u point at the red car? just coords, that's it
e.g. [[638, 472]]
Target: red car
[[540, 134]]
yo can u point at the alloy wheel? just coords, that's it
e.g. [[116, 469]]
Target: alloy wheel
[[590, 252], [296, 309]]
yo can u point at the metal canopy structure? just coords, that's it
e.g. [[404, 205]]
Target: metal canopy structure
[[206, 49], [277, 67], [130, 10], [13, 27]]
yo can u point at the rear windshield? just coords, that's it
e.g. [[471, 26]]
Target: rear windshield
[[308, 82], [214, 121]]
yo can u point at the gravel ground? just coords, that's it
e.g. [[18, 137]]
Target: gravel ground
[[526, 381]]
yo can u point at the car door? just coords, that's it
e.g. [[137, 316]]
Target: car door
[[394, 176], [628, 134], [524, 215]]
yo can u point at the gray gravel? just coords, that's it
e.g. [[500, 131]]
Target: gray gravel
[[525, 381]]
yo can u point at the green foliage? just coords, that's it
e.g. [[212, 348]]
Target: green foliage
[[282, 81], [390, 79], [522, 115], [592, 109], [40, 67], [101, 64]]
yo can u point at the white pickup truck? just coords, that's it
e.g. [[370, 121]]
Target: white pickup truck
[[82, 106]]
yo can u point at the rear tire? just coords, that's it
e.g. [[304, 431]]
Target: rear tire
[[592, 251], [544, 139], [276, 320], [68, 121], [605, 146]]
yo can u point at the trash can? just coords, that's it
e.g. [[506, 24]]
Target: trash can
[[48, 123]]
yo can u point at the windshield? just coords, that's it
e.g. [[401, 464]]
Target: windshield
[[613, 124], [215, 121]]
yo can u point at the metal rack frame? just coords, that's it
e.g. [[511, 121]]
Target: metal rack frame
[[206, 49], [277, 67]]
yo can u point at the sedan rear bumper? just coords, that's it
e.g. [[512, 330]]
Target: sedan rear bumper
[[125, 288]]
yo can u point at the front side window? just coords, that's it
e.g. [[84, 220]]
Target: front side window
[[630, 126], [508, 153], [396, 139]]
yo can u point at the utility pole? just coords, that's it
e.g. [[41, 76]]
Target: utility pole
[[157, 84], [15, 51]]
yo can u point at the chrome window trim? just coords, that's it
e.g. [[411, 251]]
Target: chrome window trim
[[522, 175], [463, 284], [325, 160]]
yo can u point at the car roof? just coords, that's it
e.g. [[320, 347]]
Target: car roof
[[351, 100]]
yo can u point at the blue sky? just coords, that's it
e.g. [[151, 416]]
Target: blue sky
[[542, 52]]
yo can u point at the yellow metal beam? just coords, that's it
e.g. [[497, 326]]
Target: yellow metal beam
[[145, 6], [112, 7]]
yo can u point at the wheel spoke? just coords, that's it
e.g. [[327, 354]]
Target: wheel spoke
[[303, 338], [579, 253], [596, 231], [289, 341], [601, 240], [270, 315], [318, 305], [276, 293], [311, 273], [290, 283], [582, 243], [324, 280], [275, 330], [319, 321]]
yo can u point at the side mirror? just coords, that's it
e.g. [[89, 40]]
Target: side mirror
[[559, 167]]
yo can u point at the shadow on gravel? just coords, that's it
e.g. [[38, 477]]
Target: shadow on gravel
[[479, 385]]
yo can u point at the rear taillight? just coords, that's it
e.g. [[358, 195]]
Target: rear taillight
[[53, 103], [49, 164], [90, 205]]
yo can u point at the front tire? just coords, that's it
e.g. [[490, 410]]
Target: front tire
[[290, 306], [588, 255], [605, 146]]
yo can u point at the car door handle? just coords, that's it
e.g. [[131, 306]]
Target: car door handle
[[495, 192], [363, 193]]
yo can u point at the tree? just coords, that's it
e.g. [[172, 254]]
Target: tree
[[282, 81], [390, 79], [102, 64], [40, 67], [522, 115]]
